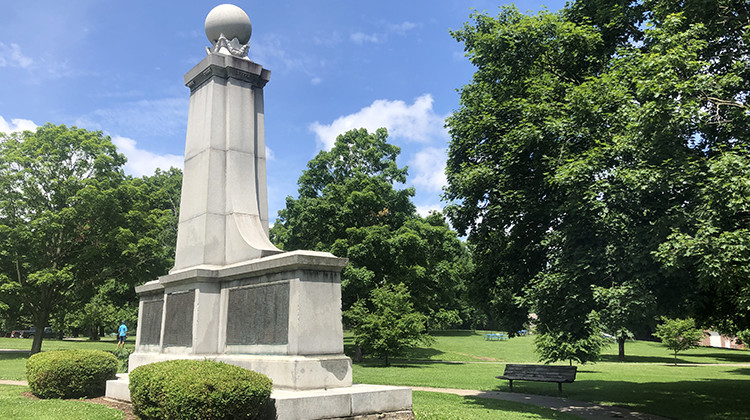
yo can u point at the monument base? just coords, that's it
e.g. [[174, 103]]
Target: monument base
[[361, 402], [288, 372]]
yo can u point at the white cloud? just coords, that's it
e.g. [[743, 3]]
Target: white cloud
[[429, 166], [416, 122], [425, 210], [270, 155], [272, 53], [11, 56], [401, 29], [142, 162], [360, 38], [15, 125]]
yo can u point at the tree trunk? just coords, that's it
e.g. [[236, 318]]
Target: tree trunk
[[94, 333], [39, 323], [621, 349], [357, 353]]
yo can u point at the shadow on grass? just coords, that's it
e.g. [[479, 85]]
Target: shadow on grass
[[14, 356], [454, 333], [612, 358], [741, 371], [696, 399], [726, 355]]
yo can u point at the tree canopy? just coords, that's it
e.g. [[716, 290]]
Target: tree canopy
[[589, 150], [70, 220], [349, 205]]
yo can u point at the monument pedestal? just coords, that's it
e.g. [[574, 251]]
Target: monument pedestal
[[277, 315], [232, 296]]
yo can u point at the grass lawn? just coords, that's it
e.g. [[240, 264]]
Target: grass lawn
[[713, 385], [432, 405], [106, 344], [13, 365], [645, 382], [17, 407]]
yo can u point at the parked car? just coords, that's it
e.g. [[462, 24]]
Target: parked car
[[48, 333]]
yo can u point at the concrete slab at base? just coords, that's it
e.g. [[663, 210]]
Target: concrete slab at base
[[117, 389], [356, 401]]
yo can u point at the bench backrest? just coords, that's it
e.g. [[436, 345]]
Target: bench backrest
[[542, 372]]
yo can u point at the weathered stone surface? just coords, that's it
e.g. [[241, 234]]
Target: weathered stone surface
[[224, 204], [178, 324], [258, 314], [150, 322], [232, 296]]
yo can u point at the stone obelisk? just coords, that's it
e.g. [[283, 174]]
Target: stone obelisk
[[232, 296], [224, 211]]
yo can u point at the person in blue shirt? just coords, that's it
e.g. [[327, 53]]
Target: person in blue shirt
[[122, 335]]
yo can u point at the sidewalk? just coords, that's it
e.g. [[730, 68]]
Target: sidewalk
[[582, 409], [11, 382]]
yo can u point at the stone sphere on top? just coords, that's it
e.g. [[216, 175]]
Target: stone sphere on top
[[229, 20]]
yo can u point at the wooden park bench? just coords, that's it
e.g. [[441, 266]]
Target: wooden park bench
[[539, 373]]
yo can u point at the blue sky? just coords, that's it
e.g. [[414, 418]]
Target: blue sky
[[118, 67]]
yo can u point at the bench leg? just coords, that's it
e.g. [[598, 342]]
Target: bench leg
[[511, 384], [559, 387]]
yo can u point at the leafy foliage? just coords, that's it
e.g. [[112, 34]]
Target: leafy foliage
[[71, 222], [679, 334], [198, 389], [70, 373], [391, 326], [590, 149], [348, 205], [623, 309]]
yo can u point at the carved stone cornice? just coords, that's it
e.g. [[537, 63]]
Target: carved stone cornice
[[226, 67]]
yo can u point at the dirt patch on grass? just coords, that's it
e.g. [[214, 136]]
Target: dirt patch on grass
[[125, 407]]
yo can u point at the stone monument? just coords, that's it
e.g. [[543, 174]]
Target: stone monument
[[232, 296]]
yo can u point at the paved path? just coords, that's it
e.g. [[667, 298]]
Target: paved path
[[582, 409], [10, 382]]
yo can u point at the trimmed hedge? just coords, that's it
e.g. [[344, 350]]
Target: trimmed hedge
[[70, 373], [199, 389]]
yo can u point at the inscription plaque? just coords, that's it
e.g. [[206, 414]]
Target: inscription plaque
[[258, 314], [178, 322], [150, 324]]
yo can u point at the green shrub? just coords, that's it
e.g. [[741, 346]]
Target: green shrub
[[123, 357], [194, 389], [70, 373]]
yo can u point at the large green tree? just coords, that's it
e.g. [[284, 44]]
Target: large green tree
[[70, 221], [580, 149], [348, 204]]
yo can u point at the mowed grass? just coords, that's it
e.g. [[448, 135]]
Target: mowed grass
[[713, 385], [13, 365], [647, 381], [434, 406], [106, 344], [15, 406]]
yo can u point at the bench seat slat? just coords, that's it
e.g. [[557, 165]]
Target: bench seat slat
[[539, 373]]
